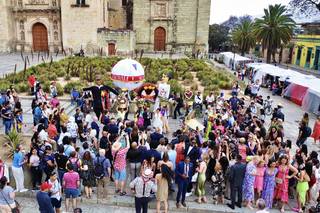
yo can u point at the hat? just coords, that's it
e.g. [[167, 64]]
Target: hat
[[116, 146], [147, 173], [280, 105], [45, 185]]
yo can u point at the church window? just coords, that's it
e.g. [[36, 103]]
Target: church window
[[124, 2], [160, 10], [55, 36], [54, 3], [22, 37], [55, 25], [20, 3], [81, 2], [21, 25]]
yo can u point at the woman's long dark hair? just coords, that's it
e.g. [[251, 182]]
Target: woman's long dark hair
[[3, 182], [166, 172]]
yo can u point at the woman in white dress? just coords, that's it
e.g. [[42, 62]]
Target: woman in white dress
[[157, 120]]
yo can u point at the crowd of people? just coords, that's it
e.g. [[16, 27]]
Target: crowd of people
[[235, 160]]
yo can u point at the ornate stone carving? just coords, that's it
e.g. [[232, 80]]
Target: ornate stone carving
[[38, 2]]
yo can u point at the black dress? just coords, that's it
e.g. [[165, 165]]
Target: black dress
[[88, 177]]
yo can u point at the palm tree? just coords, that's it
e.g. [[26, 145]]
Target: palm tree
[[243, 36], [274, 28]]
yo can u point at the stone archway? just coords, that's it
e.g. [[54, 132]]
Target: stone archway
[[159, 39], [39, 37]]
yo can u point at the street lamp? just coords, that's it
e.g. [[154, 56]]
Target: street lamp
[[234, 56]]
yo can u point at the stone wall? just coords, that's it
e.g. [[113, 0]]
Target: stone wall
[[192, 24], [80, 24], [186, 23], [124, 40], [6, 27], [117, 18]]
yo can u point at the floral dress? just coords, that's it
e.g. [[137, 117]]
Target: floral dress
[[248, 182], [282, 182], [269, 183], [218, 185]]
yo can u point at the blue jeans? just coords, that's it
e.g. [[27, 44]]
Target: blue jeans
[[60, 175], [7, 126], [182, 190]]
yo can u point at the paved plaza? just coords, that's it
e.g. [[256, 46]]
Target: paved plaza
[[9, 60]]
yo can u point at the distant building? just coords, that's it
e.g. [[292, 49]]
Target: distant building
[[306, 53], [104, 26]]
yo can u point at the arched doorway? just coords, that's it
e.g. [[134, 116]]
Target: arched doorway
[[159, 39], [111, 49], [40, 37]]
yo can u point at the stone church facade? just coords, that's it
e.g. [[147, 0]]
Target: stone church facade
[[105, 26]]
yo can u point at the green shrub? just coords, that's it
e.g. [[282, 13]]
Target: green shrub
[[21, 87], [61, 72], [59, 89], [175, 86], [188, 76], [73, 84], [46, 86], [67, 77], [182, 66], [52, 77]]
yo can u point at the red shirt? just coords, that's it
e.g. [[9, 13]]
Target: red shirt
[[31, 80], [52, 131]]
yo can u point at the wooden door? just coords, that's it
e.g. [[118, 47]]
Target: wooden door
[[111, 49], [159, 39], [40, 37]]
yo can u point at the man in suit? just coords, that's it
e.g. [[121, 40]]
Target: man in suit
[[193, 152], [96, 93], [183, 178], [237, 172]]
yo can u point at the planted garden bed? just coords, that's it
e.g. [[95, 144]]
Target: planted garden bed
[[79, 72]]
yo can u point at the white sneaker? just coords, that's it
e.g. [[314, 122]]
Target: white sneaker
[[16, 190], [188, 194], [24, 190]]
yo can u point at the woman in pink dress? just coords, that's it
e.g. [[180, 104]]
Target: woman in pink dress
[[242, 147], [316, 130], [282, 180], [258, 183]]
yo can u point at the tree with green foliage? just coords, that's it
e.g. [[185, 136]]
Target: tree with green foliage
[[218, 37], [244, 37], [306, 7], [274, 28]]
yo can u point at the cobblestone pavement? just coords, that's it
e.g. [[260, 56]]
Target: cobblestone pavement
[[8, 61]]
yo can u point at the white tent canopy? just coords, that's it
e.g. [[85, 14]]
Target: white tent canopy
[[228, 58]]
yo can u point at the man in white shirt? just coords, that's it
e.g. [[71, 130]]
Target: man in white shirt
[[210, 99], [198, 100]]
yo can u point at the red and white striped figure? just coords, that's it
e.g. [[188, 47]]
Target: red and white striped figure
[[127, 74]]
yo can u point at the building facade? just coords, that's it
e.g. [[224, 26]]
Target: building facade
[[306, 53], [107, 26]]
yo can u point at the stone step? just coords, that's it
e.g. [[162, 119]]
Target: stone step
[[128, 201]]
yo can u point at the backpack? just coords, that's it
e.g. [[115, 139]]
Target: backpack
[[99, 169], [308, 131], [75, 165]]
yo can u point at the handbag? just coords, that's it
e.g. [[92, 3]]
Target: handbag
[[279, 181], [194, 178], [15, 209]]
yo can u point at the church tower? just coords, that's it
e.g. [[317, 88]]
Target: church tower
[[165, 25], [6, 27], [80, 22]]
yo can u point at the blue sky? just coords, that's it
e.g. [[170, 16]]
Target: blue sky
[[221, 10]]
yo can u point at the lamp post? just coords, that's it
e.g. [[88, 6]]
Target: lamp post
[[234, 56]]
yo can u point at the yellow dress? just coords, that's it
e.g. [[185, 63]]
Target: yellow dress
[[162, 189]]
